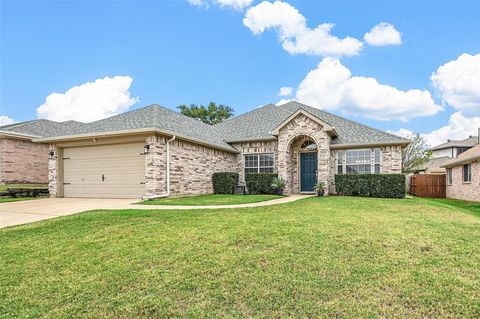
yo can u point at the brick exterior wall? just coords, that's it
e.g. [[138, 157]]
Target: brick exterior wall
[[191, 167], [22, 161], [465, 191], [391, 162], [255, 147]]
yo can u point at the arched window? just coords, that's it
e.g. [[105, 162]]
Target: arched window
[[308, 145]]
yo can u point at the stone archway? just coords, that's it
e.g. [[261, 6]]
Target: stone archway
[[290, 138]]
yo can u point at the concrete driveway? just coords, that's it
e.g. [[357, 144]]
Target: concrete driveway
[[22, 212]]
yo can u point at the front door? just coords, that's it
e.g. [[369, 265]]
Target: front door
[[308, 171]]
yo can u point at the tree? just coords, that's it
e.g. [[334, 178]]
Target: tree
[[212, 114], [415, 155]]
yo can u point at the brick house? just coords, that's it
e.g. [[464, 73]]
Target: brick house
[[463, 175], [154, 151], [21, 159]]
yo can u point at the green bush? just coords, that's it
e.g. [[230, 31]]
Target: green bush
[[224, 182], [371, 185], [260, 183]]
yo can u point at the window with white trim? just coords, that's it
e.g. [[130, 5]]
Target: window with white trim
[[259, 163], [361, 161], [467, 173], [449, 176]]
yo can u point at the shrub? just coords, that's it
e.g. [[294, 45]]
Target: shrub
[[224, 182], [260, 183], [371, 185]]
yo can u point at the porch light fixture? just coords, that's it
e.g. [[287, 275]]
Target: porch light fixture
[[51, 154], [146, 148]]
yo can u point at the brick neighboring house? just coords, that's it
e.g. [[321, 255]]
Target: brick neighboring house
[[21, 159], [444, 152], [154, 151], [463, 175]]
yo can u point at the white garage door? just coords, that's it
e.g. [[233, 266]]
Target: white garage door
[[106, 171]]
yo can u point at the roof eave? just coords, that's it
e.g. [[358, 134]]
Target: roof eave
[[461, 161], [356, 145], [55, 139], [18, 135]]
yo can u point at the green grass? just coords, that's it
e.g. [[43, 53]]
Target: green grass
[[335, 257], [465, 206], [3, 187], [6, 200], [207, 200]]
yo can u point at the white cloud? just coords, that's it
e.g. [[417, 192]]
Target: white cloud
[[285, 91], [5, 120], [458, 83], [234, 4], [89, 101], [402, 133], [294, 34], [459, 127], [383, 34], [331, 86]]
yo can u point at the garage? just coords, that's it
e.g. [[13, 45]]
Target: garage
[[104, 171]]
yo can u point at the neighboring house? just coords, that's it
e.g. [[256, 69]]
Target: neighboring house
[[463, 175], [446, 151], [154, 151], [21, 160]]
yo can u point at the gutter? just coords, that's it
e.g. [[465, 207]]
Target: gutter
[[167, 193]]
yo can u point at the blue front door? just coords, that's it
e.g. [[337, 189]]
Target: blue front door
[[308, 171]]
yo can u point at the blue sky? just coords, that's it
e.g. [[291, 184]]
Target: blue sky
[[179, 53]]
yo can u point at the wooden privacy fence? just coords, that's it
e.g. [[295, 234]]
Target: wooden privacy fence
[[428, 185]]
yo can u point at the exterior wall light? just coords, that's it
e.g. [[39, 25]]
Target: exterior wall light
[[51, 154], [146, 148]]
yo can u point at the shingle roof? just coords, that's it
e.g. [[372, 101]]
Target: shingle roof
[[156, 117], [468, 142], [471, 155], [41, 128], [259, 123]]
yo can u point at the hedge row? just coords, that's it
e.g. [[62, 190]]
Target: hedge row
[[224, 182], [260, 183], [371, 185]]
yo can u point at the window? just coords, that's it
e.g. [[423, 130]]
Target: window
[[467, 173], [308, 145], [259, 163], [460, 150], [364, 161], [449, 176]]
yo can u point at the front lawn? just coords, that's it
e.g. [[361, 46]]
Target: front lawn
[[208, 200], [335, 257]]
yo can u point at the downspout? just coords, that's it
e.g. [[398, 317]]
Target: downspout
[[167, 193]]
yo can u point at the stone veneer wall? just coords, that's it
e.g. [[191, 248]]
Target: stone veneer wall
[[191, 167], [53, 172], [22, 161], [300, 127], [465, 191], [255, 147]]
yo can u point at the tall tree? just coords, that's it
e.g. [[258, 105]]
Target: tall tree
[[211, 114], [415, 155]]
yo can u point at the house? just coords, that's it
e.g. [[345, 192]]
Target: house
[[154, 151], [463, 175], [22, 160], [446, 151]]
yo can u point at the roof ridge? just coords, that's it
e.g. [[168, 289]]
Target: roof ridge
[[240, 115]]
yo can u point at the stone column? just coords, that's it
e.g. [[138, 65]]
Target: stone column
[[155, 166], [53, 171], [323, 161]]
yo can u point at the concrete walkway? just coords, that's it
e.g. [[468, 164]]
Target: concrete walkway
[[23, 212]]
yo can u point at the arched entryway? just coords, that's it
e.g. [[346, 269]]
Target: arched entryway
[[302, 159]]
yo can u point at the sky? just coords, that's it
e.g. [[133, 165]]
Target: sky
[[401, 66]]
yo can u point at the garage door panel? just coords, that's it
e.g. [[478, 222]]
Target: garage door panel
[[122, 165]]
